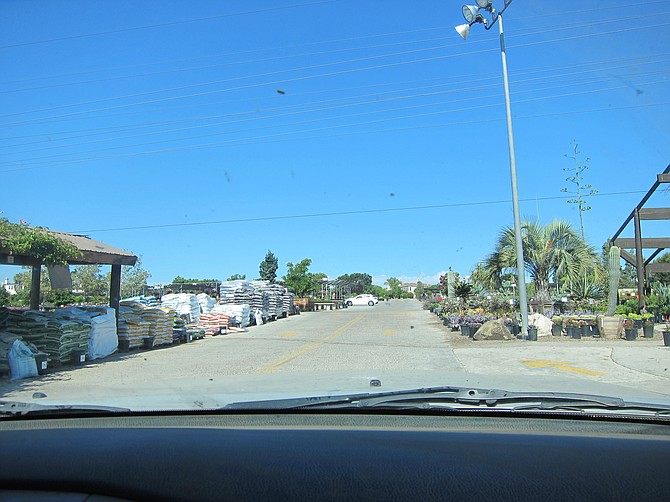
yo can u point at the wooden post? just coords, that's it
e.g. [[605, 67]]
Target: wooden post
[[639, 259], [115, 289], [35, 285]]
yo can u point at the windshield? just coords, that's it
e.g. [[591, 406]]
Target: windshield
[[226, 202]]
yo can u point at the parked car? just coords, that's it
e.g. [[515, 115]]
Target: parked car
[[362, 300]]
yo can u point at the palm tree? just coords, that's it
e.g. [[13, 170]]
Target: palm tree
[[550, 252]]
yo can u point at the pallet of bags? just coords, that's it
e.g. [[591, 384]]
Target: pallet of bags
[[183, 304], [213, 322], [239, 314]]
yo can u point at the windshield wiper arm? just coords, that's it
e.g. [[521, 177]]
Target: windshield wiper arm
[[17, 408], [456, 398]]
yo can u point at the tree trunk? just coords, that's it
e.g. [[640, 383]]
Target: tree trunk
[[542, 293]]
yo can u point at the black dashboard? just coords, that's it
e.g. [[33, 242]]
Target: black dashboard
[[333, 457]]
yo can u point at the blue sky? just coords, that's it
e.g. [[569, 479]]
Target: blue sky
[[158, 127]]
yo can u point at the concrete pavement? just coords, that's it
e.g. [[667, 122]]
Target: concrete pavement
[[397, 339]]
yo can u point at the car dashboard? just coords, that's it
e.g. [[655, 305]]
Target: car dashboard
[[333, 456]]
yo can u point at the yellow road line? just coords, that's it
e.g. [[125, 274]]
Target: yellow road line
[[275, 365], [560, 365], [390, 332], [288, 335]]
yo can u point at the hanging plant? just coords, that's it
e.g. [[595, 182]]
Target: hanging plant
[[20, 239]]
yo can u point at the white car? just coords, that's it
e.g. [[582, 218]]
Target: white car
[[362, 300]]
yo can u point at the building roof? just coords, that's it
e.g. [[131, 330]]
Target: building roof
[[92, 252]]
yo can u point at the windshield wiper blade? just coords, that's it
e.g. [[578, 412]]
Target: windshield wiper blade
[[17, 408], [456, 398]]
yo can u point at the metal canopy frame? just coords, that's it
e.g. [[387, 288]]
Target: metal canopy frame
[[637, 260], [92, 252]]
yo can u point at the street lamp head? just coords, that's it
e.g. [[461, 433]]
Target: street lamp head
[[470, 13], [463, 30], [485, 4]]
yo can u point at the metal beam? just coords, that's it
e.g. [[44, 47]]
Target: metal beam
[[652, 256], [663, 178], [35, 284], [660, 213], [655, 268], [639, 259], [647, 243], [115, 290], [641, 204], [628, 257]]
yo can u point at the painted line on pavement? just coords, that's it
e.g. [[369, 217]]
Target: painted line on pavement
[[390, 332], [560, 365], [275, 365], [288, 335]]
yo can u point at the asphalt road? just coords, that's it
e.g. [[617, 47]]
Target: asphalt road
[[395, 338]]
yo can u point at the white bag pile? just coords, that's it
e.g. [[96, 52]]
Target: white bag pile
[[6, 341], [183, 304], [238, 314], [21, 361], [206, 303], [275, 298], [102, 340]]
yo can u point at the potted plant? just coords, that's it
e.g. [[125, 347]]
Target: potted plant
[[629, 329], [666, 334], [637, 320], [532, 333], [557, 325], [648, 325], [577, 328]]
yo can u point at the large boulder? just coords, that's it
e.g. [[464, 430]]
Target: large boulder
[[542, 323], [493, 330]]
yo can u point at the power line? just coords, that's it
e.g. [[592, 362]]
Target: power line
[[295, 79], [322, 42], [161, 25], [592, 65], [590, 24], [273, 138], [572, 83], [345, 213]]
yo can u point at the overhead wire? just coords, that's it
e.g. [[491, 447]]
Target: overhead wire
[[345, 213], [333, 51], [519, 83], [247, 140], [592, 65], [322, 42], [279, 72], [161, 25]]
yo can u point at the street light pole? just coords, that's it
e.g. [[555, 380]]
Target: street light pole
[[523, 298], [473, 15]]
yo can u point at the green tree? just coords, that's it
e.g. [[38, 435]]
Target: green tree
[[298, 279], [268, 267], [90, 280], [395, 290], [60, 297], [237, 277], [133, 279], [359, 282], [5, 297], [418, 292], [182, 280], [662, 277], [550, 251], [23, 282], [378, 291]]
